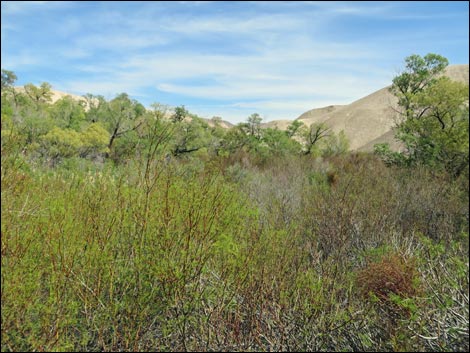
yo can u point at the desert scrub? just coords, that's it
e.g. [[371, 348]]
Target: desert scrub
[[161, 255]]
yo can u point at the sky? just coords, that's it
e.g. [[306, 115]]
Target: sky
[[227, 58]]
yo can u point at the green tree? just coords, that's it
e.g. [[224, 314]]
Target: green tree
[[279, 143], [39, 95], [245, 136], [8, 79], [124, 115], [61, 143], [312, 136], [190, 136], [336, 144], [30, 111], [94, 140], [234, 139], [68, 113], [433, 120], [179, 114], [96, 108], [294, 128], [254, 125], [420, 73]]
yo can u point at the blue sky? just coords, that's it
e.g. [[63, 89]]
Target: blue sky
[[228, 59]]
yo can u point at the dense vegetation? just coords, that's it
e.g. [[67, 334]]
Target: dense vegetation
[[131, 229]]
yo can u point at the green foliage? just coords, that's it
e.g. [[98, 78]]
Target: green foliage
[[8, 79], [388, 156], [68, 113], [65, 143], [190, 136], [95, 139], [39, 95], [68, 143], [97, 108], [179, 114], [313, 135], [33, 124], [244, 244], [254, 125], [148, 256], [124, 116], [420, 73], [434, 117], [279, 143], [336, 145], [294, 128]]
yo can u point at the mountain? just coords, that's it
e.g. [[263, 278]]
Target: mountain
[[222, 123], [369, 120], [276, 124]]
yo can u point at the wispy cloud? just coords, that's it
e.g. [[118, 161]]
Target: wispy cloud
[[277, 58], [20, 60], [23, 7]]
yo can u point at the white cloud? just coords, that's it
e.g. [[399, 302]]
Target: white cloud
[[281, 104], [107, 88], [230, 24], [244, 89], [17, 7], [269, 110], [19, 61], [283, 82], [117, 42], [262, 58]]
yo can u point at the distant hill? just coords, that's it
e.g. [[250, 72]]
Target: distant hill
[[224, 124], [56, 95], [369, 120], [276, 124]]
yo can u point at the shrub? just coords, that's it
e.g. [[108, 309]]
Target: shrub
[[387, 280]]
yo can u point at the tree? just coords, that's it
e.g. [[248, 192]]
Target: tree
[[217, 136], [190, 136], [234, 139], [68, 113], [39, 95], [433, 112], [313, 134], [254, 125], [61, 143], [96, 108], [30, 111], [419, 74], [279, 143], [179, 114], [94, 139], [124, 116], [336, 144], [294, 128], [8, 79]]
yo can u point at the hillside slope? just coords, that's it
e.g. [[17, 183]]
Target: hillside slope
[[370, 120]]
